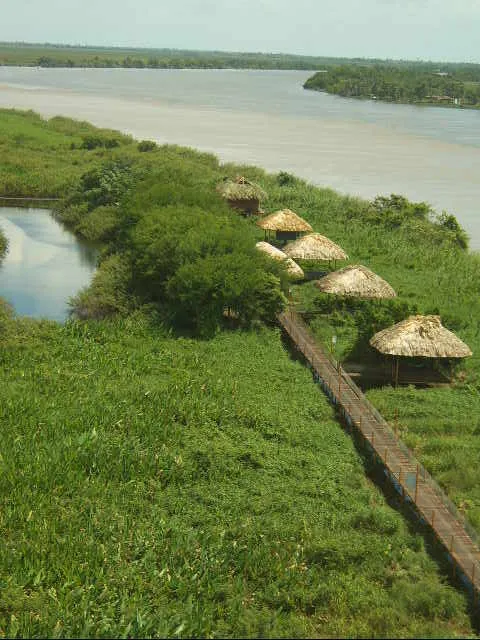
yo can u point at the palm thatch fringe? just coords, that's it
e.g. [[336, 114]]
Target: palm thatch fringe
[[420, 336], [314, 247], [292, 267], [284, 220], [241, 189], [355, 281]]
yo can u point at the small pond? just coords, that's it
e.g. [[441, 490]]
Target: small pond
[[45, 264]]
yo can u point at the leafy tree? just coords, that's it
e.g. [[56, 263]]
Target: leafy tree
[[201, 291]]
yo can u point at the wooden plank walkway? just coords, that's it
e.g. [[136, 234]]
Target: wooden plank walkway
[[408, 476]]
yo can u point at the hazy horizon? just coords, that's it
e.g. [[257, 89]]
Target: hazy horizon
[[430, 30], [101, 47]]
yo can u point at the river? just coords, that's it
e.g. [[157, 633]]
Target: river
[[266, 118], [44, 266]]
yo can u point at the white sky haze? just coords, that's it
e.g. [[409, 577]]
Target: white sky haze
[[409, 29]]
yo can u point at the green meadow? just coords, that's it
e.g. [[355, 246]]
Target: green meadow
[[153, 486], [167, 471]]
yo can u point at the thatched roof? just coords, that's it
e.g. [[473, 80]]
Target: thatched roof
[[314, 247], [284, 220], [292, 267], [420, 336], [356, 281], [241, 189]]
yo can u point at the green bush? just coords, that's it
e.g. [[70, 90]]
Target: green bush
[[201, 291], [109, 293], [95, 141], [3, 245], [146, 145]]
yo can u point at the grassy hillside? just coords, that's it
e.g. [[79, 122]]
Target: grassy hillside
[[153, 486]]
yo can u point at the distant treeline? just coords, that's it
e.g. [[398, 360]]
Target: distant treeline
[[48, 55], [61, 55], [457, 84]]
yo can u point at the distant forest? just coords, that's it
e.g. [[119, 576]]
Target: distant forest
[[53, 55], [421, 83], [49, 55]]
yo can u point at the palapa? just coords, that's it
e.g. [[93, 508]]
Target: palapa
[[355, 281], [420, 336], [292, 267], [315, 247], [284, 220], [241, 189]]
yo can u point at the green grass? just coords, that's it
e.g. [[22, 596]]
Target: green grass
[[140, 472], [37, 155], [436, 279], [172, 487]]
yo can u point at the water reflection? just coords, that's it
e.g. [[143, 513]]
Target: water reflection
[[45, 264]]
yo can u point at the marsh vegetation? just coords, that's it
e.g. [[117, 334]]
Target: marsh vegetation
[[164, 472]]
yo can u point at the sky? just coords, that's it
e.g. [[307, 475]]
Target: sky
[[443, 30]]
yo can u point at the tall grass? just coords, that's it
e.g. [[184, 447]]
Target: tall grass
[[160, 487], [154, 486]]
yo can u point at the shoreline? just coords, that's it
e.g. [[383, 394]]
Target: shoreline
[[351, 157], [438, 105]]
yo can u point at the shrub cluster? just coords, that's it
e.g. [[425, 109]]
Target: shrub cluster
[[175, 244]]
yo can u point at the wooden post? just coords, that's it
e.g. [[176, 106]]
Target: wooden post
[[401, 484], [396, 371], [373, 437], [451, 544], [475, 592], [416, 484], [386, 452]]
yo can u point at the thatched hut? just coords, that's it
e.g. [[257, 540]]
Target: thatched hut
[[315, 247], [356, 281], [293, 269], [286, 224], [419, 337], [242, 194]]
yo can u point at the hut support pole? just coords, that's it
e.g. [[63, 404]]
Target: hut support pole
[[397, 366], [416, 483]]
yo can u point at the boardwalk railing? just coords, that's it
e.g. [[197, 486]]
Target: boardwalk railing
[[412, 481]]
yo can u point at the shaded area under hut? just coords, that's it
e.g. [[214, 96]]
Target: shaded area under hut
[[243, 195], [286, 225], [315, 248], [293, 270], [355, 281], [419, 340]]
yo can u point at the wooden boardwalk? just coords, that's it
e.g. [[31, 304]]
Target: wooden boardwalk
[[410, 479]]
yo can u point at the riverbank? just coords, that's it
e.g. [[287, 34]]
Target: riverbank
[[140, 465], [247, 117]]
